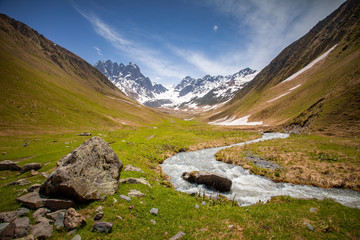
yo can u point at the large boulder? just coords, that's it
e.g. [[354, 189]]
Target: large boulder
[[211, 180], [91, 170], [30, 166]]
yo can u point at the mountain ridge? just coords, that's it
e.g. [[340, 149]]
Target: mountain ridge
[[189, 93]]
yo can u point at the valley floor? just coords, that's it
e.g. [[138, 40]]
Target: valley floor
[[146, 147]]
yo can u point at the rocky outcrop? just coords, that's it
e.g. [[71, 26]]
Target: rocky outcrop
[[211, 180], [91, 170]]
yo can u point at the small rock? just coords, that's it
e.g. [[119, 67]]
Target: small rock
[[231, 227], [26, 144], [153, 221], [309, 226], [40, 212], [3, 153], [23, 211], [30, 166], [42, 230], [131, 207], [154, 211], [119, 217], [98, 216], [57, 204], [54, 215], [102, 227], [135, 181], [211, 180], [76, 237], [84, 134], [73, 219], [115, 201], [72, 232], [197, 206], [40, 219], [126, 198], [8, 231], [33, 187], [136, 193], [20, 182], [8, 216], [103, 198], [9, 165], [312, 210], [246, 210], [203, 203], [99, 209], [45, 175], [34, 173], [22, 226], [3, 226], [59, 221], [132, 168], [177, 236]]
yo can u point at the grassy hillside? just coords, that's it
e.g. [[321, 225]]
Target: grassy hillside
[[46, 88], [326, 97]]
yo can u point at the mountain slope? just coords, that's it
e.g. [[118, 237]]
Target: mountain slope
[[323, 98], [47, 88]]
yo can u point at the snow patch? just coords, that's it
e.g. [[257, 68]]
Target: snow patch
[[244, 121], [289, 91], [310, 65]]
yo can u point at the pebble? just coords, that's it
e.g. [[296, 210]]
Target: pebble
[[177, 236], [197, 206], [99, 209], [203, 203], [312, 210], [76, 237], [115, 201], [309, 226], [231, 227], [153, 221], [126, 198], [154, 211]]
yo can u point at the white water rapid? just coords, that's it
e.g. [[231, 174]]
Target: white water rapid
[[247, 188]]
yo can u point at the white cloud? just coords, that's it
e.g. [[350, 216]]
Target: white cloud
[[215, 28], [153, 60], [98, 51]]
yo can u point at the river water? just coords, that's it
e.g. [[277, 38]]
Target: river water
[[247, 188]]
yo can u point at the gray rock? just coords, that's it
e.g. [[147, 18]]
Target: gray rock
[[34, 201], [22, 226], [30, 166], [203, 203], [136, 193], [40, 219], [59, 221], [23, 211], [53, 215], [8, 231], [42, 230], [197, 206], [177, 236], [76, 237], [20, 182], [33, 187], [98, 216], [3, 153], [153, 221], [91, 170], [102, 227], [3, 226], [211, 180], [135, 181], [84, 134], [154, 211], [40, 212], [312, 210], [57, 204], [309, 226], [8, 216], [9, 165], [73, 219], [132, 168], [126, 198]]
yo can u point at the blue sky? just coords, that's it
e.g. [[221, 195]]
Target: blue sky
[[171, 39]]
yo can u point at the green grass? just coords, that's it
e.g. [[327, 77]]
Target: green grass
[[282, 218]]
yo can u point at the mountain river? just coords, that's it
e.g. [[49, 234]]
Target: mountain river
[[247, 188]]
